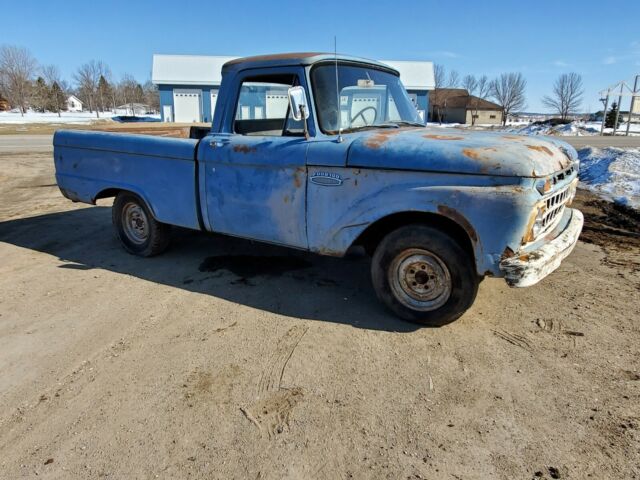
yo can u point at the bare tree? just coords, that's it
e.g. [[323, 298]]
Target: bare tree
[[508, 91], [88, 79], [470, 84], [58, 88], [441, 92], [151, 96], [483, 87], [478, 89], [129, 92], [454, 79], [17, 68], [567, 95], [439, 75]]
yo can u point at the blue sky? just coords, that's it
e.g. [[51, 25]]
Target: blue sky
[[541, 39]]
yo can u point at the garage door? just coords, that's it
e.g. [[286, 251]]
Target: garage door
[[214, 99], [187, 106]]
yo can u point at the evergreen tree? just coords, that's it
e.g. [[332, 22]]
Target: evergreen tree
[[57, 98], [610, 119], [105, 93], [39, 95]]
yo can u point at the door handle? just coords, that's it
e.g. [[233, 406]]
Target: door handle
[[218, 143]]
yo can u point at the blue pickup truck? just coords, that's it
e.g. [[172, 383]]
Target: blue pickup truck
[[322, 153]]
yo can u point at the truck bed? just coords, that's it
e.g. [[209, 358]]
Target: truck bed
[[161, 170]]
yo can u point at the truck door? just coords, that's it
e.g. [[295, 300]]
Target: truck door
[[255, 176]]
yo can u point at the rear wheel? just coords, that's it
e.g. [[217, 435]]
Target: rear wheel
[[139, 233], [423, 275]]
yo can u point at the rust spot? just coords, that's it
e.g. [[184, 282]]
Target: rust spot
[[297, 182], [243, 149], [286, 199], [442, 137], [508, 253], [379, 139], [460, 220], [540, 148], [524, 257], [471, 153], [478, 153], [513, 137]]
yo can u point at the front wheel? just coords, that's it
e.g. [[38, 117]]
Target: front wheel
[[139, 233], [423, 275]]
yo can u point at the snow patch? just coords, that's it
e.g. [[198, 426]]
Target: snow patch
[[613, 173]]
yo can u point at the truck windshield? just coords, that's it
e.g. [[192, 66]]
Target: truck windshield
[[369, 98]]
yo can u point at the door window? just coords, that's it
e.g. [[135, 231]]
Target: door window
[[263, 107]]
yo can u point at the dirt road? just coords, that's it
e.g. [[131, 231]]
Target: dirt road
[[227, 359]]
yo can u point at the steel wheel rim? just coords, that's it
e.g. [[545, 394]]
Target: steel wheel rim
[[135, 223], [420, 280]]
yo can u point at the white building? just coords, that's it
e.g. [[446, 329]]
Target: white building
[[74, 104], [188, 84]]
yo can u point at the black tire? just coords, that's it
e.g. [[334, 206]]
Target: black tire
[[411, 269], [148, 237]]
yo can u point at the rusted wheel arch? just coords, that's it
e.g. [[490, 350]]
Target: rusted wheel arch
[[374, 233]]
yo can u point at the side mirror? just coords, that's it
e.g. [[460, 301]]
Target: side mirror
[[298, 103]]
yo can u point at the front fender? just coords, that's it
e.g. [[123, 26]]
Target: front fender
[[494, 211]]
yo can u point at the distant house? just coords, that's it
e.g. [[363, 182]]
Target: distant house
[[455, 105], [74, 104], [4, 104]]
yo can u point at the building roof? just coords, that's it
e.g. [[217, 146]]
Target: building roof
[[207, 70], [73, 97], [188, 69], [460, 98]]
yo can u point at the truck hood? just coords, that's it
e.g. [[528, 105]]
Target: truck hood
[[459, 151]]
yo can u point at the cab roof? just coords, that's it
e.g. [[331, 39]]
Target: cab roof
[[296, 58]]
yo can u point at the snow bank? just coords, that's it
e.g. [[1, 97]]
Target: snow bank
[[613, 173], [579, 129], [48, 117]]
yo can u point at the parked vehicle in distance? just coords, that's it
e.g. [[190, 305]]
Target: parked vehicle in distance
[[322, 153]]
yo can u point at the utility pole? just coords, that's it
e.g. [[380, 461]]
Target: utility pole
[[615, 124], [633, 102], [604, 114]]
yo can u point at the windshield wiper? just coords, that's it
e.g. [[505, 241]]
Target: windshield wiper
[[407, 123], [373, 125]]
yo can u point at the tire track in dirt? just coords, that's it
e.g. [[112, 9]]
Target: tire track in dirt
[[272, 409]]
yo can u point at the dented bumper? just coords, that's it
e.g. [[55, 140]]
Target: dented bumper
[[529, 267]]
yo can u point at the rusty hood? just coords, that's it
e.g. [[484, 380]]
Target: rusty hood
[[459, 151]]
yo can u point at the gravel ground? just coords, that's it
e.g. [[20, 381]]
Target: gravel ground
[[207, 362]]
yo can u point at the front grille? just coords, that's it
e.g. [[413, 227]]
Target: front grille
[[555, 206]]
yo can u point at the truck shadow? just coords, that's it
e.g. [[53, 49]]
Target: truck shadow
[[274, 279]]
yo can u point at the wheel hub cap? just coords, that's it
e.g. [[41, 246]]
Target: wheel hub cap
[[420, 280], [135, 223]]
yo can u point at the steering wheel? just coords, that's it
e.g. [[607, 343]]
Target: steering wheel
[[361, 114]]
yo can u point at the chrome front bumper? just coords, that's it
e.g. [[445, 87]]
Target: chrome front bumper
[[527, 268]]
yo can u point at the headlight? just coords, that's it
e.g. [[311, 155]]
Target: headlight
[[537, 227], [573, 188]]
